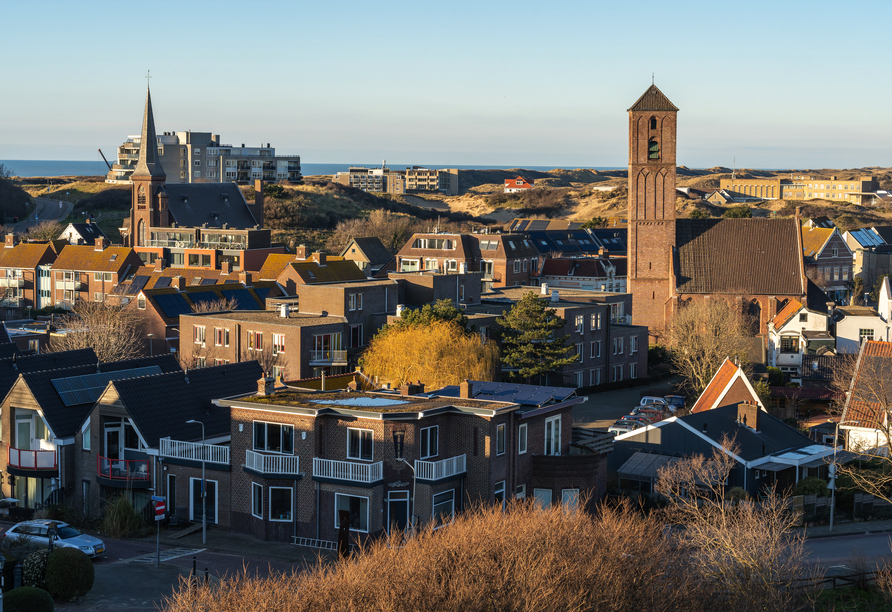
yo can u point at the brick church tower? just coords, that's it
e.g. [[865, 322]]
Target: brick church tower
[[651, 238], [149, 203]]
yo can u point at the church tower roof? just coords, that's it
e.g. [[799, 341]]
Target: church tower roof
[[653, 100], [148, 165]]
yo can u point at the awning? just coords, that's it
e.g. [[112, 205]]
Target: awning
[[644, 466], [773, 466], [841, 457]]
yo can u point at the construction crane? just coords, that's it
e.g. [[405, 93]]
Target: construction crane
[[105, 160]]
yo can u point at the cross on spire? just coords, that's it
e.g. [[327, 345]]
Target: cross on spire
[[148, 76]]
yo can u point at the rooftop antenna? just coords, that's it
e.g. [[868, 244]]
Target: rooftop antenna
[[651, 78], [148, 76], [734, 169]]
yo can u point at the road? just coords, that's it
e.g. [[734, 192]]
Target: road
[[46, 209], [601, 410], [843, 554]]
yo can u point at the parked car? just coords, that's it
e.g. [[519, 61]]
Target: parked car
[[679, 401], [651, 413], [621, 427], [656, 402], [66, 536], [637, 418]]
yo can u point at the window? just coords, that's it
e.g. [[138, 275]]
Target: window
[[273, 437], [278, 343], [617, 373], [358, 507], [633, 345], [520, 492], [85, 437], [835, 273], [553, 435], [278, 372], [524, 265], [596, 321], [355, 301], [617, 346], [803, 317], [429, 442], [97, 296], [579, 320], [865, 334], [255, 341], [131, 438], [359, 444], [355, 336], [542, 497], [201, 362], [280, 504], [198, 334], [500, 439], [653, 149], [633, 370], [444, 507], [845, 274], [522, 439], [835, 252], [653, 123], [596, 377], [196, 152], [517, 266], [221, 336], [257, 500], [579, 351], [570, 499], [789, 344], [500, 494], [579, 378]]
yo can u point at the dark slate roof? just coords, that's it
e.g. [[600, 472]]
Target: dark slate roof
[[773, 436], [142, 397], [738, 256], [373, 249], [612, 238], [525, 395], [8, 350], [11, 368], [88, 231], [884, 232], [148, 165], [4, 334], [193, 204], [822, 367], [653, 100], [815, 298]]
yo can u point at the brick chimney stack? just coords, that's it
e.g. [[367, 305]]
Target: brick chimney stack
[[245, 278], [10, 241], [300, 252], [319, 256], [101, 243], [749, 414], [179, 282], [266, 385], [466, 389], [257, 205]]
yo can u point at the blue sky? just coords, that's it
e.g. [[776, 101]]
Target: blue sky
[[774, 84]]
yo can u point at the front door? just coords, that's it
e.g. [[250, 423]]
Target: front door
[[113, 437], [398, 511], [195, 500], [24, 433]]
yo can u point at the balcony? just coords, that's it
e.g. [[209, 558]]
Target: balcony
[[171, 244], [329, 357], [439, 470], [222, 246], [621, 319], [123, 473], [348, 471], [7, 281], [286, 465], [12, 302], [71, 285], [193, 451], [31, 460]]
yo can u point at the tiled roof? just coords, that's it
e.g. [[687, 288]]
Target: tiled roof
[[716, 386], [142, 396], [653, 100], [524, 184], [814, 239], [786, 313], [822, 367], [334, 271], [738, 256], [26, 255], [871, 394], [529, 225], [8, 350], [4, 334], [373, 249], [11, 368], [274, 265], [190, 274], [87, 259]]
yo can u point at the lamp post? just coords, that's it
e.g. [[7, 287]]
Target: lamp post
[[150, 336], [204, 493], [398, 439], [833, 468]]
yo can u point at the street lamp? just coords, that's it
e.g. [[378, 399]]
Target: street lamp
[[399, 437], [833, 468], [204, 493], [150, 336]]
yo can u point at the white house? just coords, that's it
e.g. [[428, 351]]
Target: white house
[[798, 330]]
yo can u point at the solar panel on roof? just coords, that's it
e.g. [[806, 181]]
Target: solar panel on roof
[[242, 297], [172, 304], [204, 297], [522, 225], [77, 390], [162, 282]]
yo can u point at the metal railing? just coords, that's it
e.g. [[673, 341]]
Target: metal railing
[[435, 470], [272, 464], [348, 470], [239, 246], [194, 451], [122, 469], [31, 459], [10, 281], [330, 355], [71, 285], [622, 319], [177, 244]]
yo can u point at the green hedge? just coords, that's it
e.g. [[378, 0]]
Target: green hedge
[[28, 599], [69, 574]]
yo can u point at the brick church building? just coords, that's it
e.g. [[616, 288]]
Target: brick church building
[[755, 263]]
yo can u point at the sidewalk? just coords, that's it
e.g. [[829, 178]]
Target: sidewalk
[[847, 528]]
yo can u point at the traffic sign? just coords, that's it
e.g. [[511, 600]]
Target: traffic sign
[[160, 507]]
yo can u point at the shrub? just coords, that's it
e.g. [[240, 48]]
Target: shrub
[[737, 494], [738, 212], [121, 519], [69, 574], [699, 214], [28, 599], [775, 376], [34, 569], [812, 486]]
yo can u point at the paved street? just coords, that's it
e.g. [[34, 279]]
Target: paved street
[[46, 209], [601, 410]]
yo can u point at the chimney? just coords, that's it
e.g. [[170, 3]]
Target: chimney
[[159, 264], [319, 256], [88, 220], [555, 297], [748, 413], [602, 252], [10, 241], [101, 243], [300, 252], [466, 389], [257, 205], [544, 289], [179, 283], [353, 385], [245, 278], [411, 389], [266, 385], [225, 267], [798, 211], [830, 307]]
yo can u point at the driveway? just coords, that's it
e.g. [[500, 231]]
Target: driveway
[[601, 410]]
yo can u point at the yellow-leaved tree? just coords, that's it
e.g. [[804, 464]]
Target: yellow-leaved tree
[[438, 353]]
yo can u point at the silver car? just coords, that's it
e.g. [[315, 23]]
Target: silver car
[[66, 536]]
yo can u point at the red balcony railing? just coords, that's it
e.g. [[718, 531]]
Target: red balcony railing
[[31, 459], [122, 469]]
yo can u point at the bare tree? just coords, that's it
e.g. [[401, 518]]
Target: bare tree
[[393, 230], [112, 332], [701, 335], [45, 230], [221, 305], [268, 357]]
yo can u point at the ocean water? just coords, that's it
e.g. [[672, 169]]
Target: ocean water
[[33, 167]]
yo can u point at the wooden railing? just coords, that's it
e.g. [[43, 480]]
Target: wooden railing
[[194, 451], [435, 470], [348, 470], [272, 464]]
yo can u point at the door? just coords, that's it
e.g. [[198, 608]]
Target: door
[[171, 494], [211, 500], [398, 511], [113, 437], [24, 434]]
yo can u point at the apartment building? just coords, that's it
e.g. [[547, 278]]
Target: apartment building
[[311, 461], [601, 274], [427, 287], [90, 273], [24, 274], [414, 179], [200, 157], [858, 190]]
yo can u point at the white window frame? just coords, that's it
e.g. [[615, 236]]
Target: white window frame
[[580, 323], [434, 505], [617, 346], [371, 438], [537, 496], [192, 480], [278, 343], [199, 334], [500, 488], [270, 505], [633, 345], [501, 439], [570, 499], [580, 351], [266, 437], [425, 443], [367, 511], [633, 370], [223, 336], [254, 487], [522, 439], [520, 492], [86, 442], [553, 420]]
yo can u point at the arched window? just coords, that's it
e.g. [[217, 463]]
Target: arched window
[[141, 236], [653, 150], [141, 195], [653, 123]]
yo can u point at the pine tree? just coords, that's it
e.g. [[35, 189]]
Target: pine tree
[[530, 344]]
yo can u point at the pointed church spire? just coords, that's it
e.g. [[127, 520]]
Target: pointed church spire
[[148, 165]]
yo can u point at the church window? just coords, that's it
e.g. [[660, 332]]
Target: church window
[[653, 150], [653, 123], [142, 233], [141, 195]]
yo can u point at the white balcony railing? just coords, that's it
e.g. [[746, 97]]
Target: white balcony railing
[[31, 459], [272, 464], [348, 470], [328, 356], [435, 470], [194, 451], [9, 281], [621, 319], [71, 285]]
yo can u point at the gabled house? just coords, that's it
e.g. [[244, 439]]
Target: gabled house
[[828, 261], [24, 274], [516, 185], [802, 328], [90, 273], [865, 418], [82, 233], [321, 269], [370, 255], [728, 387], [856, 324]]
